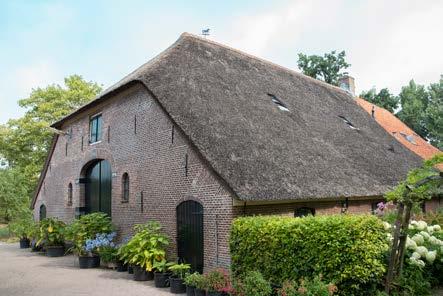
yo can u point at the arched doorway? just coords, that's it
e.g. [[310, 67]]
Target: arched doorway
[[42, 213], [190, 234], [98, 189]]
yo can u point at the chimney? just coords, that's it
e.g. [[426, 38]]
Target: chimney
[[348, 84]]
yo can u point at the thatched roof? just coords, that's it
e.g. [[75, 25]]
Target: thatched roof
[[220, 98]]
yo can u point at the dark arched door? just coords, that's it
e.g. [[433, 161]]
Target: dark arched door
[[190, 234], [98, 188]]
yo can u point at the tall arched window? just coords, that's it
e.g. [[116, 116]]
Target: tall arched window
[[70, 194], [42, 212], [125, 187]]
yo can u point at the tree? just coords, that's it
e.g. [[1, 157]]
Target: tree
[[434, 114], [382, 99], [414, 101], [327, 68], [14, 193], [24, 142]]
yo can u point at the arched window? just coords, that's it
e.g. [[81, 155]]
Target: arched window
[[70, 194], [42, 212], [125, 187], [304, 211]]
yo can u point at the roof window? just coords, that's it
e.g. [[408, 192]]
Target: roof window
[[349, 123], [409, 138], [278, 102]]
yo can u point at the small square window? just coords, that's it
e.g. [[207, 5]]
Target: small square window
[[95, 129]]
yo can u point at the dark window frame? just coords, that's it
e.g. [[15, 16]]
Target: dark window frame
[[95, 128], [303, 212], [125, 187], [70, 194]]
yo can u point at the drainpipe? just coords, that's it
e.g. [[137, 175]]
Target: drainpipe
[[216, 240]]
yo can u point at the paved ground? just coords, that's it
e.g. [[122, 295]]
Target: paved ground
[[25, 273]]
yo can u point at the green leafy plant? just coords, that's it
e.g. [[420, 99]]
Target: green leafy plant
[[348, 250], [192, 279], [252, 283], [162, 266], [23, 228], [218, 280], [307, 287], [180, 270], [86, 228], [146, 247], [52, 232], [108, 254]]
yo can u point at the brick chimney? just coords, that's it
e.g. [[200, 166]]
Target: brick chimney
[[348, 84]]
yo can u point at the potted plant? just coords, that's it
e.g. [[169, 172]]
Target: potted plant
[[176, 280], [52, 235], [86, 229], [193, 282], [217, 282], [123, 257], [161, 273], [146, 247], [23, 229], [105, 248], [201, 285]]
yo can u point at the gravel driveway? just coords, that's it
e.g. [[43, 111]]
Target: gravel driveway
[[25, 273]]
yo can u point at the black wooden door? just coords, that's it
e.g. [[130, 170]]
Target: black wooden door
[[190, 234], [99, 188]]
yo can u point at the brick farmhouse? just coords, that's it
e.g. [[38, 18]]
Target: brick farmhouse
[[204, 133]]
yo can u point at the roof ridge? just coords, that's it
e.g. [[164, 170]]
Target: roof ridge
[[243, 53]]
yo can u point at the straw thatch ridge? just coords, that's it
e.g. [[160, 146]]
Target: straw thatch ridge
[[219, 98]]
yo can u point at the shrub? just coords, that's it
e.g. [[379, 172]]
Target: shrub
[[23, 228], [196, 280], [51, 232], [347, 250], [314, 287], [218, 281], [252, 283], [180, 270], [86, 228]]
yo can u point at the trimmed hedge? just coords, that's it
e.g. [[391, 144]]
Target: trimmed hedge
[[347, 250]]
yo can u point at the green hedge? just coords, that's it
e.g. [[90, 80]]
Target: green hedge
[[348, 250]]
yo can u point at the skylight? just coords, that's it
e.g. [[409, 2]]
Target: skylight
[[278, 102], [348, 123], [409, 138]]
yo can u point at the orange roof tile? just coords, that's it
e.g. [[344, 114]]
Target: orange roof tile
[[400, 131]]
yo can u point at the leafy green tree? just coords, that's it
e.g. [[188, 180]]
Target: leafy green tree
[[24, 142], [382, 99], [14, 193], [327, 68], [434, 114]]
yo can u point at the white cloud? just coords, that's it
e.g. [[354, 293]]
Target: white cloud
[[36, 75]]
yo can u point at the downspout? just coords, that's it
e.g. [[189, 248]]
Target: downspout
[[216, 240]]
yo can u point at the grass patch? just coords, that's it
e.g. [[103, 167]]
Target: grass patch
[[4, 234]]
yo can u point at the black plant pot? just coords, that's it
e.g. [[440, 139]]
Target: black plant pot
[[214, 293], [190, 291], [35, 247], [55, 251], [199, 292], [130, 269], [161, 279], [88, 261], [141, 274], [24, 243], [121, 267], [177, 285]]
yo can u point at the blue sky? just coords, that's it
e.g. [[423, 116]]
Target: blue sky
[[41, 42]]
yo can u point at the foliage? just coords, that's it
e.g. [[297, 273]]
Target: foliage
[[162, 266], [14, 194], [103, 242], [383, 99], [218, 280], [327, 68], [412, 282], [432, 217], [87, 227], [422, 110], [252, 283], [52, 232], [196, 280], [23, 227], [418, 194], [307, 287], [346, 249], [146, 247], [180, 270], [24, 142]]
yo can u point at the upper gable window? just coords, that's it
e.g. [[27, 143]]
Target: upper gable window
[[278, 102], [95, 128]]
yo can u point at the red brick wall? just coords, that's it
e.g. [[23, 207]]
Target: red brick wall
[[155, 165]]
